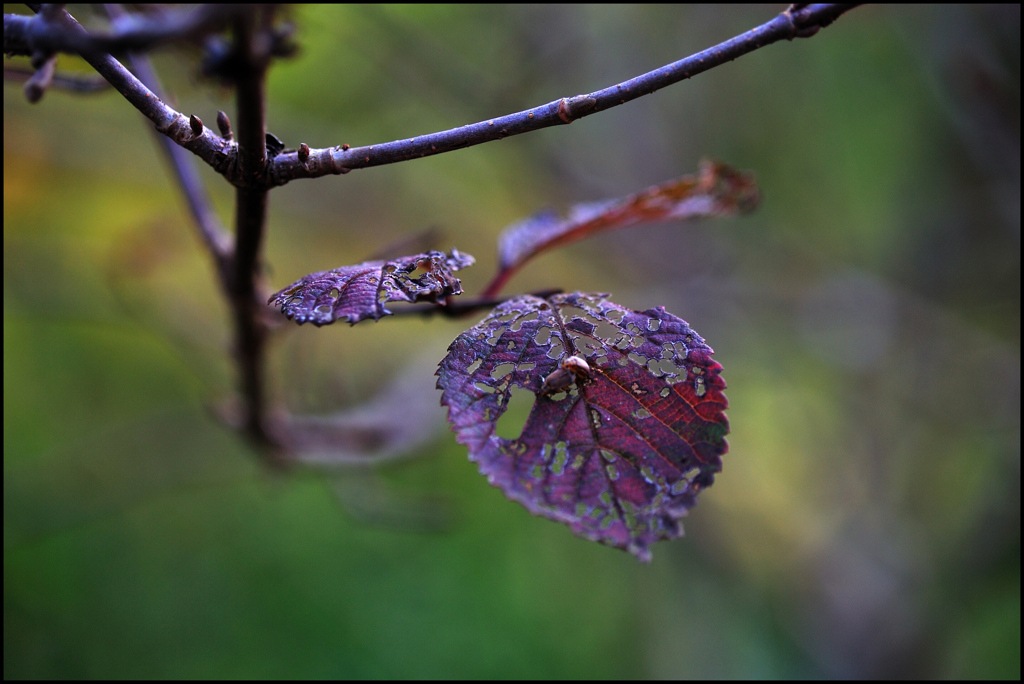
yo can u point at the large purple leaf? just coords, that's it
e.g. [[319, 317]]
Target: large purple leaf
[[717, 190], [619, 454], [361, 291]]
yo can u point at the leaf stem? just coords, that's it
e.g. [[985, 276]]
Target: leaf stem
[[457, 308]]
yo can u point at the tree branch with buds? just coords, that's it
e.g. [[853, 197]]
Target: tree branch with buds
[[254, 161]]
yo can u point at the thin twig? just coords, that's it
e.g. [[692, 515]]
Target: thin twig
[[69, 82], [219, 153], [37, 86], [211, 231], [797, 22], [24, 35]]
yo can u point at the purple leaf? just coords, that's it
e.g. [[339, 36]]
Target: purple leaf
[[620, 439], [361, 291], [718, 190]]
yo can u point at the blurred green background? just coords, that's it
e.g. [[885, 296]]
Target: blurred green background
[[866, 523]]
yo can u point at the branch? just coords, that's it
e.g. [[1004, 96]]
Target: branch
[[243, 163], [37, 85], [25, 35], [216, 151], [250, 59], [211, 231], [457, 308], [70, 82], [799, 21]]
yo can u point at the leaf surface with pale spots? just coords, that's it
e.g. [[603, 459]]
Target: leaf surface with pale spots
[[620, 454], [361, 291]]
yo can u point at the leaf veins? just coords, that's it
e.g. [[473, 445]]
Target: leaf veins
[[620, 454]]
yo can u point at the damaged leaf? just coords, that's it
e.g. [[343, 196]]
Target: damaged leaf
[[617, 447], [717, 190], [361, 291]]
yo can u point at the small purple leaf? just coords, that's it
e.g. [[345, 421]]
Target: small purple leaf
[[628, 424], [361, 291]]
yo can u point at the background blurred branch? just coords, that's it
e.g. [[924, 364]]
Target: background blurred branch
[[71, 82], [25, 35], [211, 231], [211, 148]]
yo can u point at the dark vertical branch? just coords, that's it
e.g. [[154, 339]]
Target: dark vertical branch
[[251, 213]]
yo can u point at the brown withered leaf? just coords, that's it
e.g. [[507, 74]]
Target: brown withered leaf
[[717, 190]]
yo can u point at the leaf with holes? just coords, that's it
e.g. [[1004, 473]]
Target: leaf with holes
[[361, 291], [717, 190], [627, 426]]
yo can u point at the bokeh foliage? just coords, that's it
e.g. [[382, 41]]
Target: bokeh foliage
[[866, 522]]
